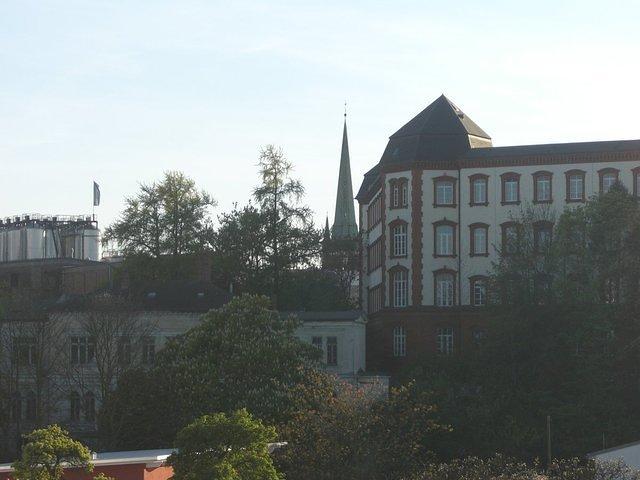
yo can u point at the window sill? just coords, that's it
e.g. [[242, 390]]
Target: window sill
[[510, 203], [574, 200], [479, 254], [538, 202], [485, 204], [435, 255], [398, 256], [444, 205], [400, 207]]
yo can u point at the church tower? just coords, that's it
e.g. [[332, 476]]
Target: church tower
[[344, 222]]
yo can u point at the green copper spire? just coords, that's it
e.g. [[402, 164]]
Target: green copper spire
[[344, 221]]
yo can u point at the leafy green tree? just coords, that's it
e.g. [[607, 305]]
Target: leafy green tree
[[292, 241], [358, 434], [47, 452], [562, 341], [162, 228], [239, 251], [243, 355], [505, 468], [224, 447]]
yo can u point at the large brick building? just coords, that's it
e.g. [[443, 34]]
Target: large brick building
[[437, 207]]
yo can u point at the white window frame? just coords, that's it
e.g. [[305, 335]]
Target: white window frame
[[480, 191], [608, 180], [445, 340], [576, 186], [445, 286], [543, 188], [480, 245], [399, 342], [511, 190], [444, 192], [400, 288], [400, 240], [444, 240], [479, 293]]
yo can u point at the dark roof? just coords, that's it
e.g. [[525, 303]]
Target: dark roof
[[368, 181], [317, 316], [554, 149], [441, 117], [184, 296], [439, 133]]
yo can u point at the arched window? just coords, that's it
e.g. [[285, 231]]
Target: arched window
[[398, 238], [479, 240], [575, 185], [74, 406], [444, 286], [444, 239], [608, 178], [542, 234], [89, 407], [478, 291], [542, 187], [479, 194], [444, 191], [399, 188], [399, 342], [636, 181], [510, 188], [399, 287]]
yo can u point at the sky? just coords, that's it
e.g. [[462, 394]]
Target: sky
[[121, 91]]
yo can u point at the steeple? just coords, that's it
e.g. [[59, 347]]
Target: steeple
[[344, 221]]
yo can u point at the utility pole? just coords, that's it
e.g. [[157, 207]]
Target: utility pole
[[548, 441]]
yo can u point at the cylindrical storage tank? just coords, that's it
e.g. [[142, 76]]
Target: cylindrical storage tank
[[3, 244], [91, 240], [34, 247], [13, 247], [49, 243]]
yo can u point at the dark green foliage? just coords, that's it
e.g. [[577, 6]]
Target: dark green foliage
[[566, 346], [243, 355], [504, 468], [224, 447], [47, 451], [358, 434]]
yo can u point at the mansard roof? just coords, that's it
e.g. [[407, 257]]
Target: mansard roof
[[445, 136]]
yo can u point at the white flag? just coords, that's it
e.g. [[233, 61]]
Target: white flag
[[96, 194]]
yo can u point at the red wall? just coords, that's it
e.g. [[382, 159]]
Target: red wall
[[119, 472]]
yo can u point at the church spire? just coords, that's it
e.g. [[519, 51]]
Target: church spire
[[344, 221]]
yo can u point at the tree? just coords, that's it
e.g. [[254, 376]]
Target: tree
[[224, 447], [243, 355], [505, 468], [47, 452], [356, 434], [562, 340], [165, 222], [239, 251], [292, 241]]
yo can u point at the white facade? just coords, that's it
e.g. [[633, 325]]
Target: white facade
[[340, 335], [628, 454], [463, 214]]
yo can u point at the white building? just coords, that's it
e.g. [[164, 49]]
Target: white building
[[437, 207]]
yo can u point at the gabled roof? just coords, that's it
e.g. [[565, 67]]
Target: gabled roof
[[441, 117]]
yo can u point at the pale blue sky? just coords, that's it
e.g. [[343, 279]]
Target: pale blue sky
[[120, 91]]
